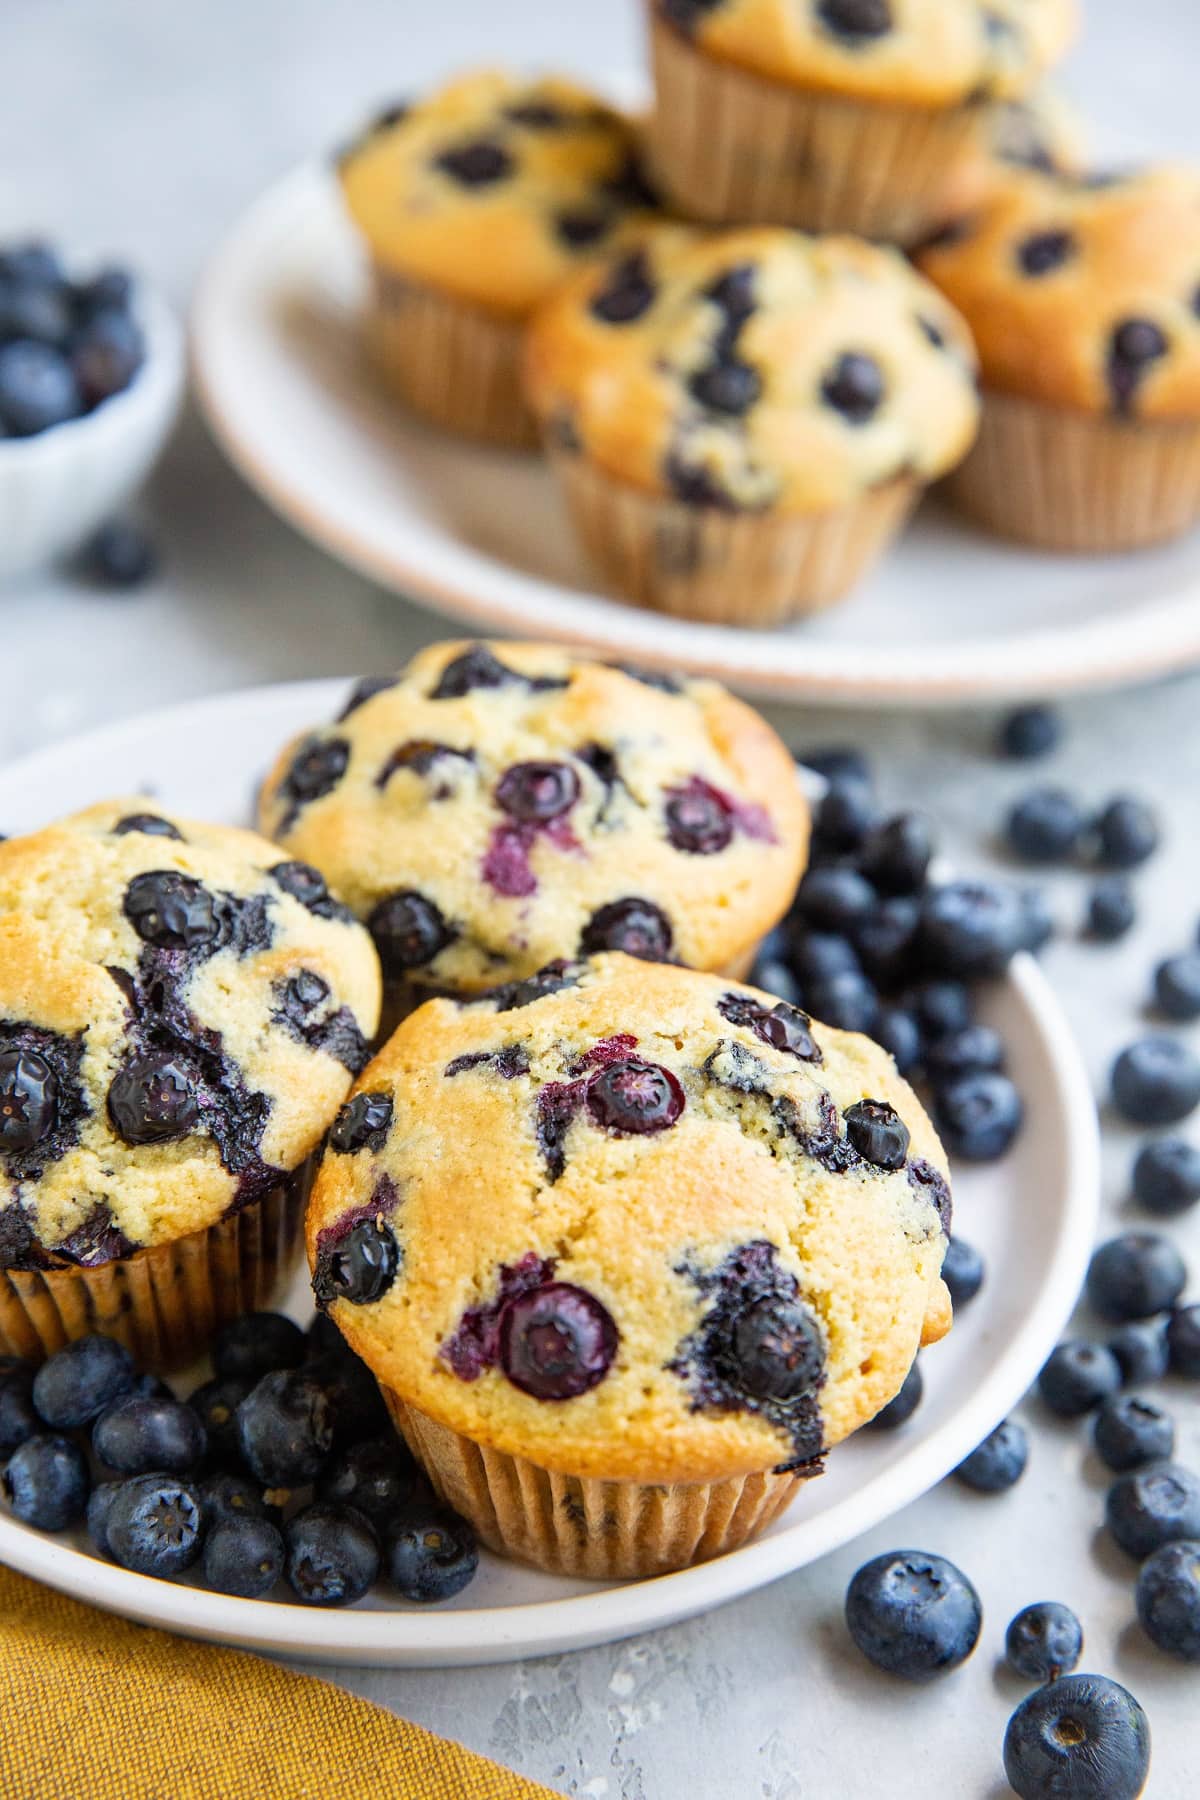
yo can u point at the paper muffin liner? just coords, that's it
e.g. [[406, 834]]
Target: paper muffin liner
[[1064, 480], [730, 568], [455, 364], [572, 1525], [165, 1302], [730, 146]]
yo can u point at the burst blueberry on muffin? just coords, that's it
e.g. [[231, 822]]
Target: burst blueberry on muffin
[[1083, 295], [495, 807], [177, 1031], [742, 420], [629, 1254], [836, 115], [473, 204]]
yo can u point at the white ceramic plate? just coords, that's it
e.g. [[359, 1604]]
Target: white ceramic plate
[[951, 616], [1033, 1217]]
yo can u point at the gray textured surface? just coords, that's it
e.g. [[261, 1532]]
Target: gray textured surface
[[146, 128]]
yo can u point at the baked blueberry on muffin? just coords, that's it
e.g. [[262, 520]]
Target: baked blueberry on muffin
[[496, 807], [629, 1254], [742, 420], [836, 115], [473, 204], [178, 1027], [1083, 294]]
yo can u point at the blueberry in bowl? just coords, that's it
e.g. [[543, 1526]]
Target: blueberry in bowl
[[91, 371]]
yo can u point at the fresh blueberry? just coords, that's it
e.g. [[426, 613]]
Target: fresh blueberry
[[31, 264], [978, 1116], [431, 1553], [37, 388], [896, 856], [878, 1133], [834, 899], [47, 1482], [1077, 1376], [962, 1271], [1168, 1599], [355, 1401], [215, 1404], [243, 1557], [332, 1555], [971, 929], [975, 1050], [847, 1001], [256, 1343], [818, 955], [1135, 1276], [1151, 1507], [942, 1007], [99, 1502], [1177, 986], [228, 1498], [897, 1032], [1156, 1081], [18, 1415], [1110, 909], [137, 1435], [1038, 923], [885, 939], [1166, 1176], [1141, 1350], [80, 1380], [1127, 833], [1045, 825], [913, 1614], [1029, 732], [109, 291], [836, 762], [324, 1339], [36, 309], [154, 1525], [120, 555], [774, 976], [106, 354], [1131, 1431], [1183, 1342], [1044, 1641], [1082, 1737], [900, 1409], [844, 816], [285, 1427], [378, 1477], [999, 1462]]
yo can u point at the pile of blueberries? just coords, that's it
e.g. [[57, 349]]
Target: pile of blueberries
[[284, 1466]]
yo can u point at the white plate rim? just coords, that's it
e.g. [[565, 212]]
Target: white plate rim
[[1158, 637], [415, 1638]]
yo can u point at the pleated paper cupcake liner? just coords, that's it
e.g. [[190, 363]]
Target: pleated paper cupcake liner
[[165, 1302], [727, 568], [571, 1525], [729, 146], [1065, 480], [455, 364]]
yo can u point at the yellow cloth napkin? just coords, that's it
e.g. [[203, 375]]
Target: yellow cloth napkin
[[93, 1708]]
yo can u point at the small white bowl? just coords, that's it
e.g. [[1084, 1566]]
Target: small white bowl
[[57, 487]]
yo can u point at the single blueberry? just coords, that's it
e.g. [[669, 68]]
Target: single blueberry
[[378, 1476], [362, 1124], [1135, 1276], [355, 1401], [153, 1099], [836, 762], [1045, 825], [942, 1007], [1156, 1081], [834, 899], [817, 955], [772, 1349], [999, 1462], [47, 1482], [1142, 1351], [120, 555], [138, 1434], [878, 1133], [1044, 251], [1177, 986], [1135, 344], [783, 1026], [431, 1553], [1166, 1176], [154, 1525], [1183, 1342], [227, 1498], [896, 855], [971, 929], [699, 820], [1077, 1376], [170, 910], [106, 354], [638, 927], [535, 792], [900, 1409], [1044, 1641], [886, 940], [1127, 833], [727, 386], [476, 164], [147, 825], [1151, 1507], [1111, 909], [1168, 1599], [978, 1115], [1131, 1431], [847, 1001], [18, 1416], [854, 386], [844, 816], [332, 1555], [28, 1099], [913, 1614], [255, 1343], [976, 1049], [215, 1404], [962, 1271], [359, 1267], [80, 1380], [628, 292], [243, 1557], [775, 976], [38, 389], [409, 932], [897, 1032], [285, 1428], [556, 1341], [1081, 1737]]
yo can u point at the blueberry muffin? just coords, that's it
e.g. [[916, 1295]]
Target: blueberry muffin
[[629, 1252], [743, 420], [181, 1014], [474, 204], [1083, 295], [497, 806], [836, 115]]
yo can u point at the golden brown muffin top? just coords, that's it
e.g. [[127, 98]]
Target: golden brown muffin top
[[634, 1223], [1084, 293], [495, 188], [754, 369]]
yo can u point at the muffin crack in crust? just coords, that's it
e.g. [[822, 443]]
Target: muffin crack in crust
[[704, 1254]]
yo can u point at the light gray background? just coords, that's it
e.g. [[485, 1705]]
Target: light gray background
[[144, 128]]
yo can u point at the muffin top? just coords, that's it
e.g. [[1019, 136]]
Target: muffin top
[[754, 369], [636, 1223], [494, 188], [1084, 293], [914, 52], [495, 806], [181, 1014]]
